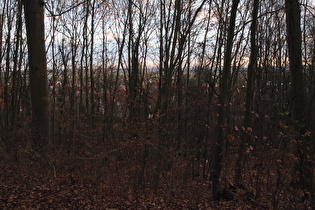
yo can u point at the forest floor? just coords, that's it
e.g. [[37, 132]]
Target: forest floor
[[130, 174], [26, 182]]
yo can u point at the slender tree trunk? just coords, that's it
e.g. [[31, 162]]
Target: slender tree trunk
[[54, 81], [34, 19], [65, 57], [249, 95], [16, 64], [7, 68], [14, 97], [224, 88], [91, 63], [86, 59], [1, 37], [105, 80], [74, 48], [84, 77]]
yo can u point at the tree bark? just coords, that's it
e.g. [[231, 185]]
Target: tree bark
[[34, 20]]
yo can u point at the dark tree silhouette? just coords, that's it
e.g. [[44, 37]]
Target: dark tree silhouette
[[34, 20], [293, 19], [298, 97]]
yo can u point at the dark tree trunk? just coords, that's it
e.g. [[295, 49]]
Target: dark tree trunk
[[298, 98], [14, 90], [34, 20], [294, 40], [224, 88]]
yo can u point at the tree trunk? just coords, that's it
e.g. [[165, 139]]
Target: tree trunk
[[298, 98], [15, 84], [294, 40], [249, 95], [34, 20], [92, 33], [221, 126]]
